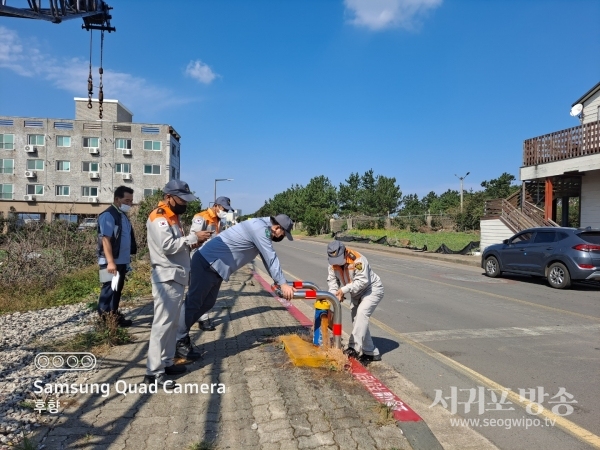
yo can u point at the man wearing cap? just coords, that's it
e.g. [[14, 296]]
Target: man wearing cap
[[349, 272], [170, 259], [222, 256], [210, 220]]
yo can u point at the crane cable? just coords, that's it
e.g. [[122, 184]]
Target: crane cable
[[90, 80], [101, 71]]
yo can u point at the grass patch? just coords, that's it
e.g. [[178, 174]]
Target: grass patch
[[82, 285], [105, 334], [385, 414], [26, 444], [453, 239]]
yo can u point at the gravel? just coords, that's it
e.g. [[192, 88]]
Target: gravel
[[20, 333]]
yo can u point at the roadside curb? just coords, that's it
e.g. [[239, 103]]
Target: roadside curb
[[473, 261], [414, 428]]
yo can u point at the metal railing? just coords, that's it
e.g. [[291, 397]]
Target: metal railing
[[310, 291]]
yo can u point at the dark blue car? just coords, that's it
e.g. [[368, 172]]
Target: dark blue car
[[560, 254]]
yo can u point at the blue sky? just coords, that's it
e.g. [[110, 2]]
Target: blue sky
[[271, 93]]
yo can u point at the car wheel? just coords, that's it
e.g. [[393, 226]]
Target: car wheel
[[558, 276], [492, 267]]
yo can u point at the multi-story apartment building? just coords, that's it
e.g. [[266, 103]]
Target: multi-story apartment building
[[64, 167]]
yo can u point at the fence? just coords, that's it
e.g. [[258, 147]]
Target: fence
[[409, 222]]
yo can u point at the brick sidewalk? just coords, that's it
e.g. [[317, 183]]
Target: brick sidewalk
[[267, 404]]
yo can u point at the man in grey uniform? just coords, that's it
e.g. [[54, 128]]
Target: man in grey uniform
[[170, 257], [349, 272], [222, 256]]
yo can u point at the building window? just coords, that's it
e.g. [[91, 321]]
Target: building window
[[152, 145], [173, 150], [35, 139], [123, 168], [89, 191], [123, 144], [151, 169], [91, 142], [87, 166], [63, 141], [35, 164], [63, 191], [149, 192], [7, 141], [35, 189], [7, 166], [63, 166], [6, 191]]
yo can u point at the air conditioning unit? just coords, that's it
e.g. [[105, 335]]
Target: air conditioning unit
[[127, 176], [29, 198], [93, 200], [94, 175], [30, 174], [127, 151], [94, 151], [30, 149]]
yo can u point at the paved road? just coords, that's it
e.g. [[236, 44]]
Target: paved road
[[443, 325]]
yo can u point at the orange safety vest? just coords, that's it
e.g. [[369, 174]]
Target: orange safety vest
[[210, 218], [172, 218]]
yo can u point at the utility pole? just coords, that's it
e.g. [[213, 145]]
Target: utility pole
[[220, 179], [461, 189]]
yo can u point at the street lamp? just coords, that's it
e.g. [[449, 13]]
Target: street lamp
[[220, 179], [461, 189]]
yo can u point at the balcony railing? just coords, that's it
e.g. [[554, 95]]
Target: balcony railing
[[573, 142]]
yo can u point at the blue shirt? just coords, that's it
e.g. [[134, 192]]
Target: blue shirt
[[107, 226], [239, 245]]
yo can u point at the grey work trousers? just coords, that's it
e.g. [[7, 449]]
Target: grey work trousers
[[168, 299], [202, 294], [362, 309]]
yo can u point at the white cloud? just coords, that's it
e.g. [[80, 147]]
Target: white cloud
[[200, 72], [382, 14], [26, 59]]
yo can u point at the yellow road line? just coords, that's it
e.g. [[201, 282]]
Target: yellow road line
[[573, 429]]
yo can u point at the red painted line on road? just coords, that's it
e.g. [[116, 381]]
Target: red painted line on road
[[382, 393], [402, 412], [295, 312]]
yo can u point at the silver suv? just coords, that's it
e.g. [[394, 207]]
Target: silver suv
[[559, 254], [89, 222]]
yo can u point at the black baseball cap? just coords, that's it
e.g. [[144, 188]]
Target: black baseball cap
[[336, 252], [179, 188], [286, 223], [224, 202]]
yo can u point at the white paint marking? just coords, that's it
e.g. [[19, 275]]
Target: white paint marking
[[446, 335]]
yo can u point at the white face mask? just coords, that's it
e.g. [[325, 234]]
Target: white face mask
[[222, 214], [125, 208]]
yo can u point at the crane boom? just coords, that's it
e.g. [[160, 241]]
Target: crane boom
[[95, 13]]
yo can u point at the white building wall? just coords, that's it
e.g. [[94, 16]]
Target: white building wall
[[590, 199], [591, 108], [493, 231]]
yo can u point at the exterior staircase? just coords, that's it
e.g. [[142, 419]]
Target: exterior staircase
[[503, 217]]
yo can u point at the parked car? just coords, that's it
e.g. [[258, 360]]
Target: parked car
[[88, 222], [559, 254]]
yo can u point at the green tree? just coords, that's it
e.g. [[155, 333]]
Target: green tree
[[500, 187], [411, 205], [349, 195], [387, 196]]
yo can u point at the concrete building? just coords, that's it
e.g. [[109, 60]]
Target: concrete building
[[65, 168]]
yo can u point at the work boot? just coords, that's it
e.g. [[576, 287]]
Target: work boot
[[351, 353], [175, 370], [159, 378], [206, 325], [185, 350], [369, 358]]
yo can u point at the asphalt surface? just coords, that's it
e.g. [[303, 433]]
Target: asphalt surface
[[444, 326]]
